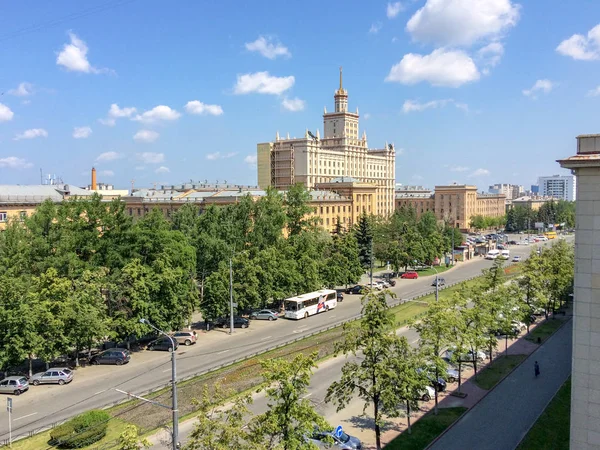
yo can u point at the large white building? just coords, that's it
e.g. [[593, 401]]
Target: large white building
[[561, 187], [313, 159]]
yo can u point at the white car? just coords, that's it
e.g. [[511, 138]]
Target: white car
[[427, 394], [384, 284], [467, 357], [542, 238], [516, 258], [375, 285]]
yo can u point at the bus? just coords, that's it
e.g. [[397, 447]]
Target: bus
[[305, 305], [550, 234]]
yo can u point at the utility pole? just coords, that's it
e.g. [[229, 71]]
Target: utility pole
[[230, 298], [371, 275], [9, 409], [452, 251]]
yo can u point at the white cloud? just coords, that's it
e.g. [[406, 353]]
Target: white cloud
[[31, 134], [150, 157], [158, 113], [23, 90], [197, 107], [440, 68], [412, 105], [82, 132], [217, 155], [114, 112], [162, 169], [250, 159], [262, 83], [147, 136], [458, 169], [107, 173], [490, 55], [479, 173], [73, 57], [366, 116], [5, 113], [584, 48], [267, 47], [109, 122], [594, 92], [12, 162], [544, 86], [393, 9], [108, 156], [462, 22], [293, 104], [375, 28]]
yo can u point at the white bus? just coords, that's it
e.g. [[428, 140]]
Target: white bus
[[492, 254], [310, 304]]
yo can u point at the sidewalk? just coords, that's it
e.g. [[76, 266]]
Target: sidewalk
[[503, 417]]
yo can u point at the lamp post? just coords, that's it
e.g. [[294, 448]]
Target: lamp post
[[371, 274], [173, 385]]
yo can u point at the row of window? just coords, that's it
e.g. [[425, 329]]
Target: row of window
[[4, 215]]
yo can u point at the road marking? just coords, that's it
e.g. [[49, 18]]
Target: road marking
[[167, 370], [23, 417], [301, 329], [266, 338], [224, 351], [100, 392], [307, 395]]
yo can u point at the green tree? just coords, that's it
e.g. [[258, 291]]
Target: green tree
[[297, 209], [364, 239], [341, 265], [130, 440], [290, 417], [269, 219]]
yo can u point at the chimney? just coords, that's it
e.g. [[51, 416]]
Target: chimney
[[94, 185]]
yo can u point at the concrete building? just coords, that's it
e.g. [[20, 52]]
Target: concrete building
[[510, 191], [455, 203], [561, 187], [533, 202], [341, 152], [535, 189], [585, 378]]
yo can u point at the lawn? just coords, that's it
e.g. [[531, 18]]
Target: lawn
[[40, 441], [551, 430], [544, 330], [498, 369], [426, 429], [432, 271]]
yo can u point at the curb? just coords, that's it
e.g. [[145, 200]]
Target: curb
[[494, 387]]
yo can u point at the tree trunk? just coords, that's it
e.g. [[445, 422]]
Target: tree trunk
[[459, 375], [408, 415], [30, 365], [77, 354], [506, 345], [377, 428]]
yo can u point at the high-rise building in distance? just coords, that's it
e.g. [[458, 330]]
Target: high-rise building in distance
[[561, 187]]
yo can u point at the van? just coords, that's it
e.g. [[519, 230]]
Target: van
[[492, 254], [505, 254]]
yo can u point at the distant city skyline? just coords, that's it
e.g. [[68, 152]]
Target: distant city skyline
[[481, 94]]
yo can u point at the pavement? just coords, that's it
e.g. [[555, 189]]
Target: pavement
[[94, 387], [504, 416]]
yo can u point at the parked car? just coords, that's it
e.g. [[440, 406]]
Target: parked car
[[358, 289], [439, 384], [512, 242], [541, 238], [116, 356], [384, 284], [411, 275], [427, 394], [375, 286], [264, 314], [185, 337], [328, 439], [55, 375], [467, 357], [440, 281], [14, 385], [340, 295], [451, 374], [238, 322], [516, 258], [163, 344]]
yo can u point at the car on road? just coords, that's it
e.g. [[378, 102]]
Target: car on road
[[375, 286], [440, 281], [55, 375], [384, 284], [14, 385], [163, 344], [358, 289], [328, 439], [541, 238], [264, 314], [117, 356], [185, 337], [238, 322], [516, 258], [512, 242], [410, 275]]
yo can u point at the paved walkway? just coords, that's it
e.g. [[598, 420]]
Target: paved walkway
[[503, 417]]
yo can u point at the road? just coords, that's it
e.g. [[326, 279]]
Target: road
[[94, 387]]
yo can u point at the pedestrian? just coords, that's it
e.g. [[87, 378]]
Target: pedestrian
[[536, 369]]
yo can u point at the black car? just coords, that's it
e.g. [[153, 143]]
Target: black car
[[162, 344], [440, 281], [355, 290], [116, 356], [238, 322]]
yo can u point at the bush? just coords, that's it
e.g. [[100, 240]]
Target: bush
[[80, 431]]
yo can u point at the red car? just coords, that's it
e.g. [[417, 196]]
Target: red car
[[410, 275]]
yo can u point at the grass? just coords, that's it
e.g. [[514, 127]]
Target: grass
[[40, 441], [551, 430], [544, 330], [426, 429], [432, 271], [498, 369]]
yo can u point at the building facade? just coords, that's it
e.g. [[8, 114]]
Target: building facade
[[341, 152], [533, 202], [455, 204], [561, 187], [585, 376], [510, 191]]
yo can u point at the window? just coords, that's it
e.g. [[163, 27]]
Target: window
[[3, 216], [131, 211], [327, 209], [22, 215], [139, 211]]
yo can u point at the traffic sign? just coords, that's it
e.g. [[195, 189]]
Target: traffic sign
[[235, 305], [9, 404], [338, 431]]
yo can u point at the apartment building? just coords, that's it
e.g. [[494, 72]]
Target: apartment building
[[561, 187]]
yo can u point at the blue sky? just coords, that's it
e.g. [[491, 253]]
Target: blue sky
[[475, 91]]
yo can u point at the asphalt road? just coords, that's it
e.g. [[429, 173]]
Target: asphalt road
[[94, 387]]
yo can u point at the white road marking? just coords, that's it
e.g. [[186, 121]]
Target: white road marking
[[301, 329], [266, 338], [23, 417], [167, 370], [307, 395], [224, 351], [100, 392]]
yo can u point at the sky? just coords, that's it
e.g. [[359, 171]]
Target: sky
[[155, 91]]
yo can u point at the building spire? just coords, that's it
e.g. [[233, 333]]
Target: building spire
[[341, 88]]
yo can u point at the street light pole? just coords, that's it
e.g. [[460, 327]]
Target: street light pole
[[174, 409], [371, 275]]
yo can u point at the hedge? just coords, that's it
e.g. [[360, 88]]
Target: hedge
[[81, 430]]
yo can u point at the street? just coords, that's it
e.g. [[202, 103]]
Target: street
[[94, 387]]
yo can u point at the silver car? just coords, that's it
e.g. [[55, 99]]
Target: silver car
[[329, 440], [264, 314], [14, 385], [56, 375]]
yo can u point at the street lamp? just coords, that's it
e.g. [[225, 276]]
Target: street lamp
[[173, 384]]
